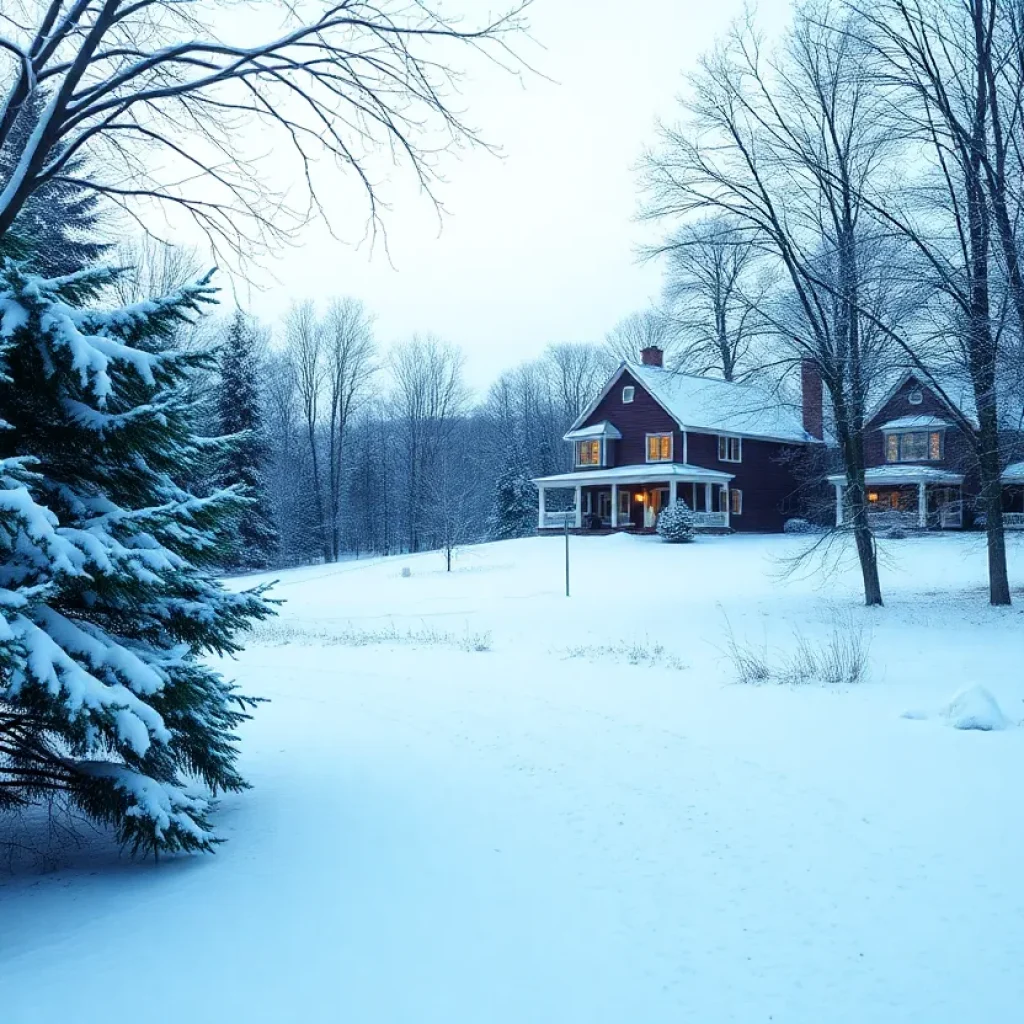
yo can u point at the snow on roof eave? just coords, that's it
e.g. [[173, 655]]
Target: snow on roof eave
[[916, 423], [602, 429], [640, 472], [903, 474], [1013, 474]]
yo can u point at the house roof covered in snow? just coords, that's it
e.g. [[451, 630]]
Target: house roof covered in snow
[[594, 432], [1013, 474], [641, 473], [713, 406]]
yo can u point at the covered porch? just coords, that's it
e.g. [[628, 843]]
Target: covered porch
[[630, 497], [907, 497], [1013, 496]]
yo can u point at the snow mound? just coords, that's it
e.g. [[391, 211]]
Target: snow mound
[[974, 708]]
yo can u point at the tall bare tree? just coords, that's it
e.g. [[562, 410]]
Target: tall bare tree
[[638, 331], [145, 101], [428, 397], [348, 371], [577, 370], [783, 145], [715, 296], [304, 338], [954, 74]]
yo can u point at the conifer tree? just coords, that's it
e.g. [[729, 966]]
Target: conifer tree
[[55, 232], [108, 598], [244, 462], [515, 505]]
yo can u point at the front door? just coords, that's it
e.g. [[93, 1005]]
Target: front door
[[655, 499]]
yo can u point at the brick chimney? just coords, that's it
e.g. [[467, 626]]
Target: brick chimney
[[652, 355], [810, 387]]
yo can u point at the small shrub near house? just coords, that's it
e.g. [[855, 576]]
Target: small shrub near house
[[799, 526], [675, 524]]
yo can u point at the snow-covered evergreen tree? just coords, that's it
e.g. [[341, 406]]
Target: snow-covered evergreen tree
[[515, 506], [675, 524], [55, 232], [244, 462], [107, 594]]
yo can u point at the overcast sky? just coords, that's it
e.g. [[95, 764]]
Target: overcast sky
[[540, 244]]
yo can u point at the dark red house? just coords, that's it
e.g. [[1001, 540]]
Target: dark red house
[[653, 437], [920, 472]]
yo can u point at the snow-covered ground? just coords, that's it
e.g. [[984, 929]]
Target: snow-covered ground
[[542, 831]]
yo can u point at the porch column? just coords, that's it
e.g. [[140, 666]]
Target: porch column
[[726, 507], [708, 503], [540, 507], [579, 507], [615, 506], [839, 504], [673, 493], [922, 505]]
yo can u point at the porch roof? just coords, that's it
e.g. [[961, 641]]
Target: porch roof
[[598, 430], [1013, 474], [882, 475], [641, 473]]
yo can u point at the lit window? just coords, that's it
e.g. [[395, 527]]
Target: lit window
[[627, 395], [736, 502], [914, 446], [588, 453], [915, 398], [730, 449], [659, 447]]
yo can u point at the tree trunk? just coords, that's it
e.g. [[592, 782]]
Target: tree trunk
[[992, 502]]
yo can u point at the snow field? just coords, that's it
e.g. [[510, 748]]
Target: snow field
[[478, 801]]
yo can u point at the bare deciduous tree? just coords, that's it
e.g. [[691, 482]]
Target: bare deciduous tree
[[954, 74], [144, 101], [428, 397], [304, 338], [349, 367], [714, 297], [783, 145], [638, 331]]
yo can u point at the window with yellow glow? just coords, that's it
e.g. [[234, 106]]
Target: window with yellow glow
[[659, 447], [914, 446], [588, 453]]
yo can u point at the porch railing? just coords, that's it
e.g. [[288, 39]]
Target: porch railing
[[709, 520], [557, 520], [1013, 520]]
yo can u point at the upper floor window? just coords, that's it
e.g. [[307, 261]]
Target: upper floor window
[[730, 449], [659, 447], [628, 394], [588, 453], [914, 446]]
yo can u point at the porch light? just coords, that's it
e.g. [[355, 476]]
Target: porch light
[[640, 498], [872, 495]]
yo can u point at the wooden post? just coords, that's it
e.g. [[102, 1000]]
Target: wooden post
[[579, 507], [615, 506], [922, 505], [540, 507], [839, 504], [566, 556]]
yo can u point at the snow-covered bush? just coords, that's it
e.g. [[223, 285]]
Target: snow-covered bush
[[406, 572], [974, 708], [798, 526], [896, 533], [108, 594], [675, 524]]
